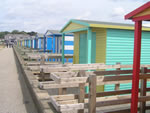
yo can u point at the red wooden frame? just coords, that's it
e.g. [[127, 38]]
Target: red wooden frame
[[138, 10], [137, 52], [136, 66], [143, 18]]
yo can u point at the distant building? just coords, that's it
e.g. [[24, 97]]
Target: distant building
[[12, 38]]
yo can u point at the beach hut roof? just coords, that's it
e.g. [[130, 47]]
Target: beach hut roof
[[75, 25], [140, 13], [55, 32], [39, 35]]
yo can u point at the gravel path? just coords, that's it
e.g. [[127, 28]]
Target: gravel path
[[14, 96]]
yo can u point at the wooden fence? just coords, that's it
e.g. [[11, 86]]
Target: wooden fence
[[92, 100], [92, 75]]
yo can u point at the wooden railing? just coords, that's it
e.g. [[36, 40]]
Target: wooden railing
[[94, 78], [39, 55], [92, 75]]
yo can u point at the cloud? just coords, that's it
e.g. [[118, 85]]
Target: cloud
[[85, 15], [118, 11], [40, 15]]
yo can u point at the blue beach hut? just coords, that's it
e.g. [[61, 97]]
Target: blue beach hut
[[53, 39], [39, 42]]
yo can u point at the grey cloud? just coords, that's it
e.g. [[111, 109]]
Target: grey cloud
[[40, 15]]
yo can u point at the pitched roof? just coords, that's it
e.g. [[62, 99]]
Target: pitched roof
[[55, 32], [137, 11], [101, 24], [40, 35]]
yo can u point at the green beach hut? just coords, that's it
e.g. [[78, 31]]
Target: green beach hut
[[106, 42]]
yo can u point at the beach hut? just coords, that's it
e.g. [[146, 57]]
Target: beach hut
[[29, 42], [32, 41], [25, 42], [54, 42], [20, 42], [39, 41], [106, 42]]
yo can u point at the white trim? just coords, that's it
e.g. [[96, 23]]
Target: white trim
[[38, 43], [33, 43], [69, 48], [69, 38]]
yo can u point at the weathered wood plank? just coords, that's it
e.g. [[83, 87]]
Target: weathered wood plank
[[92, 94], [81, 95], [143, 91]]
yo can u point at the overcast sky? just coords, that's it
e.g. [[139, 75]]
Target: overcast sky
[[40, 15]]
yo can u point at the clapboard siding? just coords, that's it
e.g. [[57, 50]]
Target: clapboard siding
[[76, 48], [23, 43], [69, 43], [29, 43], [119, 48], [74, 26], [100, 45]]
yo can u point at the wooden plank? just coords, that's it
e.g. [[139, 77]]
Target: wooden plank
[[72, 67], [92, 94], [54, 86], [64, 97], [81, 73], [68, 102], [101, 79], [47, 55], [117, 86], [118, 101], [54, 103], [37, 63], [81, 95], [42, 75], [69, 107], [114, 72], [101, 102], [66, 74], [54, 77], [62, 91], [42, 60], [143, 91]]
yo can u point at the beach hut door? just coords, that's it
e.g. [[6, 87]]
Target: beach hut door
[[83, 48]]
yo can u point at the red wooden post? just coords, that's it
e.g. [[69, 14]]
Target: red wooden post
[[136, 66]]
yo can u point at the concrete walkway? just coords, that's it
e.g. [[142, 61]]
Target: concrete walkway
[[14, 96]]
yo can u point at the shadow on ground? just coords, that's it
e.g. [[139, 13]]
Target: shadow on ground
[[27, 99]]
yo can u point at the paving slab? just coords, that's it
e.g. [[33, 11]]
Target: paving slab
[[14, 95]]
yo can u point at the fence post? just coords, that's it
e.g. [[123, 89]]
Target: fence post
[[117, 86], [62, 91], [29, 59], [92, 94], [143, 90], [42, 62], [81, 95], [42, 75]]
